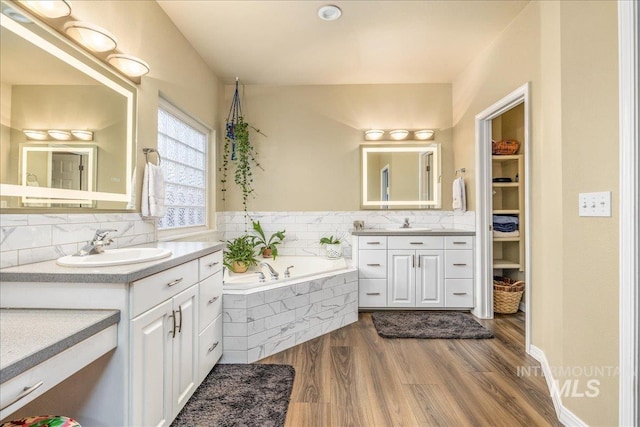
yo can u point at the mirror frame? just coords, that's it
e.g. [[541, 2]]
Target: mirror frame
[[365, 203], [83, 62]]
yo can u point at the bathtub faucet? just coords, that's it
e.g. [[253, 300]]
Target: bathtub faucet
[[274, 274], [287, 273]]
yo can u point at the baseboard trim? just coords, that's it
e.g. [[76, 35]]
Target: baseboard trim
[[565, 416]]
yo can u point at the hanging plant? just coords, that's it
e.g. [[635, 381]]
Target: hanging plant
[[238, 148]]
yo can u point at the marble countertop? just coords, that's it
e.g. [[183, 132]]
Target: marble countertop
[[411, 232], [49, 271], [29, 337]]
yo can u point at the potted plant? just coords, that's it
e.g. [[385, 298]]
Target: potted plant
[[239, 254], [333, 247], [266, 247]]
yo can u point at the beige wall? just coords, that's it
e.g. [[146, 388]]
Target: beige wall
[[574, 148], [311, 157]]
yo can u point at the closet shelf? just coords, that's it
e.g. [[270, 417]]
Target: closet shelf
[[506, 239], [505, 264], [507, 211], [506, 184]]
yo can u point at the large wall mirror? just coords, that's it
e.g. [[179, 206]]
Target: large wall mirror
[[67, 126], [401, 177]]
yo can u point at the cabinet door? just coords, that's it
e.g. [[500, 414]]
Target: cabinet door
[[151, 363], [429, 279], [401, 278], [185, 351]]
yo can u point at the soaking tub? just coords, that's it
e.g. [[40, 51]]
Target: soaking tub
[[260, 319]]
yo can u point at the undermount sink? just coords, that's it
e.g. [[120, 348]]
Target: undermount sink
[[114, 257]]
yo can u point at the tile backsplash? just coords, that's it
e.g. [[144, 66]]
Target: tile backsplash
[[28, 238]]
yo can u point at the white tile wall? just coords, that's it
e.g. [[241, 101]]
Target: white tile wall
[[262, 323], [29, 238]]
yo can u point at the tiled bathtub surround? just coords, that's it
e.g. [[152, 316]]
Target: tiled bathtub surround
[[260, 323], [304, 229], [28, 238]]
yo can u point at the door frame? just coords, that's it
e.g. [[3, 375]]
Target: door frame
[[629, 70], [484, 250]]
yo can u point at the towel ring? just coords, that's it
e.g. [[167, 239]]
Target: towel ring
[[146, 152]]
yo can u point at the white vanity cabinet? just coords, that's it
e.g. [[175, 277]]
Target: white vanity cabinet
[[415, 271]]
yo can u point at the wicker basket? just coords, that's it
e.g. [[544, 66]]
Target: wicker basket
[[507, 146], [506, 294]]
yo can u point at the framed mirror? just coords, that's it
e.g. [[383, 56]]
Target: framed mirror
[[400, 176], [61, 109]]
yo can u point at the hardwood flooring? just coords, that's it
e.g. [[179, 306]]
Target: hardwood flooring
[[353, 377]]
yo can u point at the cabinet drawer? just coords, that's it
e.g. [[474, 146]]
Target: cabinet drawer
[[210, 299], [458, 242], [416, 242], [372, 242], [210, 264], [151, 291], [210, 342], [372, 293], [458, 264], [372, 264], [458, 293]]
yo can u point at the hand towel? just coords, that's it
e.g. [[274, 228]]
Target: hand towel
[[459, 195], [152, 192]]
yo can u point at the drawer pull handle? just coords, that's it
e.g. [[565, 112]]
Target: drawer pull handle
[[213, 264], [416, 243], [212, 300], [373, 243], [25, 392], [373, 293], [215, 344], [459, 243], [373, 265], [459, 293], [175, 282], [459, 264]]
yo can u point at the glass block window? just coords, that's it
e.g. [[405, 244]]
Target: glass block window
[[182, 143]]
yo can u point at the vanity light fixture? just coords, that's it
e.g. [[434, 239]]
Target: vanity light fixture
[[83, 135], [48, 8], [329, 12], [423, 134], [129, 65], [373, 134], [61, 135], [91, 36], [39, 135], [398, 134]]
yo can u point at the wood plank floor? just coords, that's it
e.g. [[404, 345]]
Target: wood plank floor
[[353, 377]]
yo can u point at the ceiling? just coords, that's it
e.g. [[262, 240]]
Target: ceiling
[[374, 42]]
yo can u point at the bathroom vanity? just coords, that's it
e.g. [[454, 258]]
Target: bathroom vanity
[[168, 339], [414, 268]]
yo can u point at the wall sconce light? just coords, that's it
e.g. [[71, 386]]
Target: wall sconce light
[[83, 135], [398, 134], [48, 8], [129, 65], [92, 37], [59, 134], [423, 134], [39, 135], [373, 134]]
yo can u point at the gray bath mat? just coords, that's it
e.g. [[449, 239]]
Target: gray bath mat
[[240, 395], [428, 324]]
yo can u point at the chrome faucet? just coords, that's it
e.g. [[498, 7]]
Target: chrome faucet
[[287, 274], [274, 274], [96, 246], [406, 223]]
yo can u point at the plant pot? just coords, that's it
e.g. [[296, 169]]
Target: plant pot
[[239, 267], [267, 253], [334, 251]]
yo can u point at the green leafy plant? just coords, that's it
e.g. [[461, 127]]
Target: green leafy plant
[[330, 240], [240, 254], [266, 245]]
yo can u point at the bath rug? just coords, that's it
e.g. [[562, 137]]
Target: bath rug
[[428, 324], [240, 395]]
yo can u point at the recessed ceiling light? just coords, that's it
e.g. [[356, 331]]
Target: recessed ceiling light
[[329, 12], [15, 15]]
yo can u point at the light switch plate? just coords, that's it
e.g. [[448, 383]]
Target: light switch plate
[[595, 204]]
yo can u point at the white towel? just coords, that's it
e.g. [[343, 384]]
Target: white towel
[[459, 195], [152, 192]]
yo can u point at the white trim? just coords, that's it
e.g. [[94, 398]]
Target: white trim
[[565, 416], [628, 17], [484, 253]]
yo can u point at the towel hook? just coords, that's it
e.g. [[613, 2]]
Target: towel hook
[[146, 152], [461, 171]]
